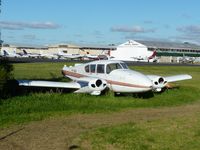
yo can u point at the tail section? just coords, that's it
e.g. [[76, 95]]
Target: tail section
[[5, 53], [153, 55], [25, 52]]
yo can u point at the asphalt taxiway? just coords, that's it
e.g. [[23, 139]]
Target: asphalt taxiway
[[41, 60]]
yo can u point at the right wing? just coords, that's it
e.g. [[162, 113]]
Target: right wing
[[93, 86]]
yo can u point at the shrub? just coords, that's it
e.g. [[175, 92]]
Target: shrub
[[5, 75]]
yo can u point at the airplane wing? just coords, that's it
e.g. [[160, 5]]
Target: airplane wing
[[161, 82], [70, 85], [178, 78], [92, 86]]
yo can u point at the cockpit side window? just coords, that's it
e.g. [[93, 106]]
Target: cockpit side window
[[118, 66], [87, 69], [92, 68], [100, 68], [111, 67], [124, 65]]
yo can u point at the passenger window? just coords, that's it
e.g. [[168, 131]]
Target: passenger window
[[87, 68], [100, 68], [92, 68]]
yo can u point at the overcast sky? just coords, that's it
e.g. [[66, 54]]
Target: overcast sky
[[99, 22]]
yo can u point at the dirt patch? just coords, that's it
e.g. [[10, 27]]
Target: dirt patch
[[61, 133]]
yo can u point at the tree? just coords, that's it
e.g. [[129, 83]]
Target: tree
[[5, 75]]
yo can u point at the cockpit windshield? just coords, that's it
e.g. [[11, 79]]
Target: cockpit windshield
[[124, 66], [114, 66]]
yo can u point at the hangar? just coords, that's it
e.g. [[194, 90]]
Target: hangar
[[132, 51], [172, 51]]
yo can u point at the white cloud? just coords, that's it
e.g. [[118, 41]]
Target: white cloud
[[134, 29], [9, 25], [189, 33], [191, 30]]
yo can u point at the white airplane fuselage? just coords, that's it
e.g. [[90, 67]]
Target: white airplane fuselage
[[119, 79]]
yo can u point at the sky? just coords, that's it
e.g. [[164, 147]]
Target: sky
[[98, 22]]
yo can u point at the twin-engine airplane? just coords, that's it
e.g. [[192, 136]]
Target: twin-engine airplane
[[96, 76]]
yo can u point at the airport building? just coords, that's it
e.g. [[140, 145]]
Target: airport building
[[172, 51], [56, 48]]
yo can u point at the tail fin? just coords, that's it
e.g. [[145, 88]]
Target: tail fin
[[5, 53], [153, 55], [14, 51], [25, 52]]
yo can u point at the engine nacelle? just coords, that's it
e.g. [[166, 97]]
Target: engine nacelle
[[158, 82], [94, 86], [97, 85]]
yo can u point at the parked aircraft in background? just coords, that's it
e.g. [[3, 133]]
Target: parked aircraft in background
[[30, 55], [197, 60], [186, 59], [150, 58], [6, 53], [96, 76], [91, 56], [61, 54], [45, 55]]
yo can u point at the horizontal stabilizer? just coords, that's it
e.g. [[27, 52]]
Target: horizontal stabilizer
[[178, 77], [69, 85]]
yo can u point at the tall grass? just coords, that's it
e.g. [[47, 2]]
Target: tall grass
[[38, 106]]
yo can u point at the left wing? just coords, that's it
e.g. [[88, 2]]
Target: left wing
[[178, 78], [161, 82]]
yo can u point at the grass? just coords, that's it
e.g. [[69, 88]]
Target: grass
[[38, 70], [38, 106], [166, 133]]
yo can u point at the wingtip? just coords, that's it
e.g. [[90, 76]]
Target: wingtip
[[189, 76]]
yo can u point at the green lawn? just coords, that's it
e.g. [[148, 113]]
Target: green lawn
[[162, 134], [37, 106]]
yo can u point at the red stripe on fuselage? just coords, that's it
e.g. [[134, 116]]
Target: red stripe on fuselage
[[73, 74], [126, 84], [77, 75]]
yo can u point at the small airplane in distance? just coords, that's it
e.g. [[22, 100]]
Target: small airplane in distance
[[91, 56], [186, 59], [30, 55], [62, 54], [150, 58], [96, 76], [45, 55]]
